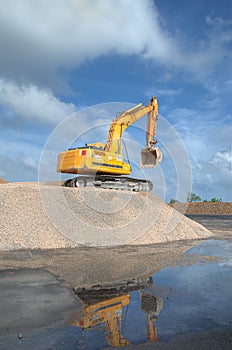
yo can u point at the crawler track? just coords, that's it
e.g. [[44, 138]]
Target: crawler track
[[111, 182]]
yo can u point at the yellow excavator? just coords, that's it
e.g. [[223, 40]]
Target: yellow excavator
[[109, 313], [105, 307], [102, 164]]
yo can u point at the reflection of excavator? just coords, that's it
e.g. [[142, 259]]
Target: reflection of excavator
[[102, 164], [106, 307], [152, 306], [107, 311]]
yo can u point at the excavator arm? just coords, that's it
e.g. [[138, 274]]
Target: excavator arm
[[151, 155], [127, 118], [151, 124]]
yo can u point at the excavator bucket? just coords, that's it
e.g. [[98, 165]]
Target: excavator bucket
[[150, 157]]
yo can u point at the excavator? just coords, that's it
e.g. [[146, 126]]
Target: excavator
[[107, 312], [105, 307], [103, 165]]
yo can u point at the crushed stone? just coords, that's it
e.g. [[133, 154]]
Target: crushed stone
[[39, 216]]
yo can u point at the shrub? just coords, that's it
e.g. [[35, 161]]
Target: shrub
[[192, 197], [214, 200], [173, 201]]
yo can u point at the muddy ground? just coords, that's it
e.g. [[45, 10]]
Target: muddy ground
[[87, 266], [56, 272]]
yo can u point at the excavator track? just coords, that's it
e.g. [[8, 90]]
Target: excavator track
[[111, 182]]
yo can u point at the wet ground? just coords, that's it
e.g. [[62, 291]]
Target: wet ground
[[215, 222], [166, 296]]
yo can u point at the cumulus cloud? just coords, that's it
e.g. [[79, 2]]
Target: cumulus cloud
[[207, 138], [52, 36], [49, 36], [31, 104], [213, 178], [29, 162], [41, 38], [169, 92], [18, 167], [223, 158]]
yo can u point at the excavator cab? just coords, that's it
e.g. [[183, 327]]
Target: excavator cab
[[150, 157]]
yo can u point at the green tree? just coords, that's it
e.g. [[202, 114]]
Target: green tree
[[214, 200], [173, 201], [192, 197]]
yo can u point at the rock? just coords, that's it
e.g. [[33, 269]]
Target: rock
[[38, 216], [2, 181]]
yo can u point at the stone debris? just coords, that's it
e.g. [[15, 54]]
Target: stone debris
[[3, 181], [204, 208], [39, 216]]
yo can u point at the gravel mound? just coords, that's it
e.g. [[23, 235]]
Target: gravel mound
[[204, 208], [39, 216], [2, 181]]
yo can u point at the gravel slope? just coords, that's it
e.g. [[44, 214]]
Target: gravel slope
[[204, 208], [40, 216]]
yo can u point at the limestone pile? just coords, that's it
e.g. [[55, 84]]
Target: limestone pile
[[39, 216]]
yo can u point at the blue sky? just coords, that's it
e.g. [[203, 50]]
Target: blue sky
[[58, 57]]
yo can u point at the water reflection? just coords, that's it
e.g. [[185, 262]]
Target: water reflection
[[184, 300], [109, 307]]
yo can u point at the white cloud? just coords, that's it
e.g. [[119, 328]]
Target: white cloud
[[25, 108], [207, 138], [214, 178], [18, 167], [169, 92], [29, 162], [165, 77], [31, 104], [223, 158], [41, 38], [51, 36]]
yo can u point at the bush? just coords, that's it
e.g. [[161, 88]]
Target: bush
[[173, 201], [215, 200], [192, 197]]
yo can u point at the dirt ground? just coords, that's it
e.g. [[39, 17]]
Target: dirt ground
[[95, 267], [2, 181], [220, 339], [204, 208], [85, 266]]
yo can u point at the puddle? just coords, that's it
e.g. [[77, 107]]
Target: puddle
[[173, 301], [200, 298], [213, 247]]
